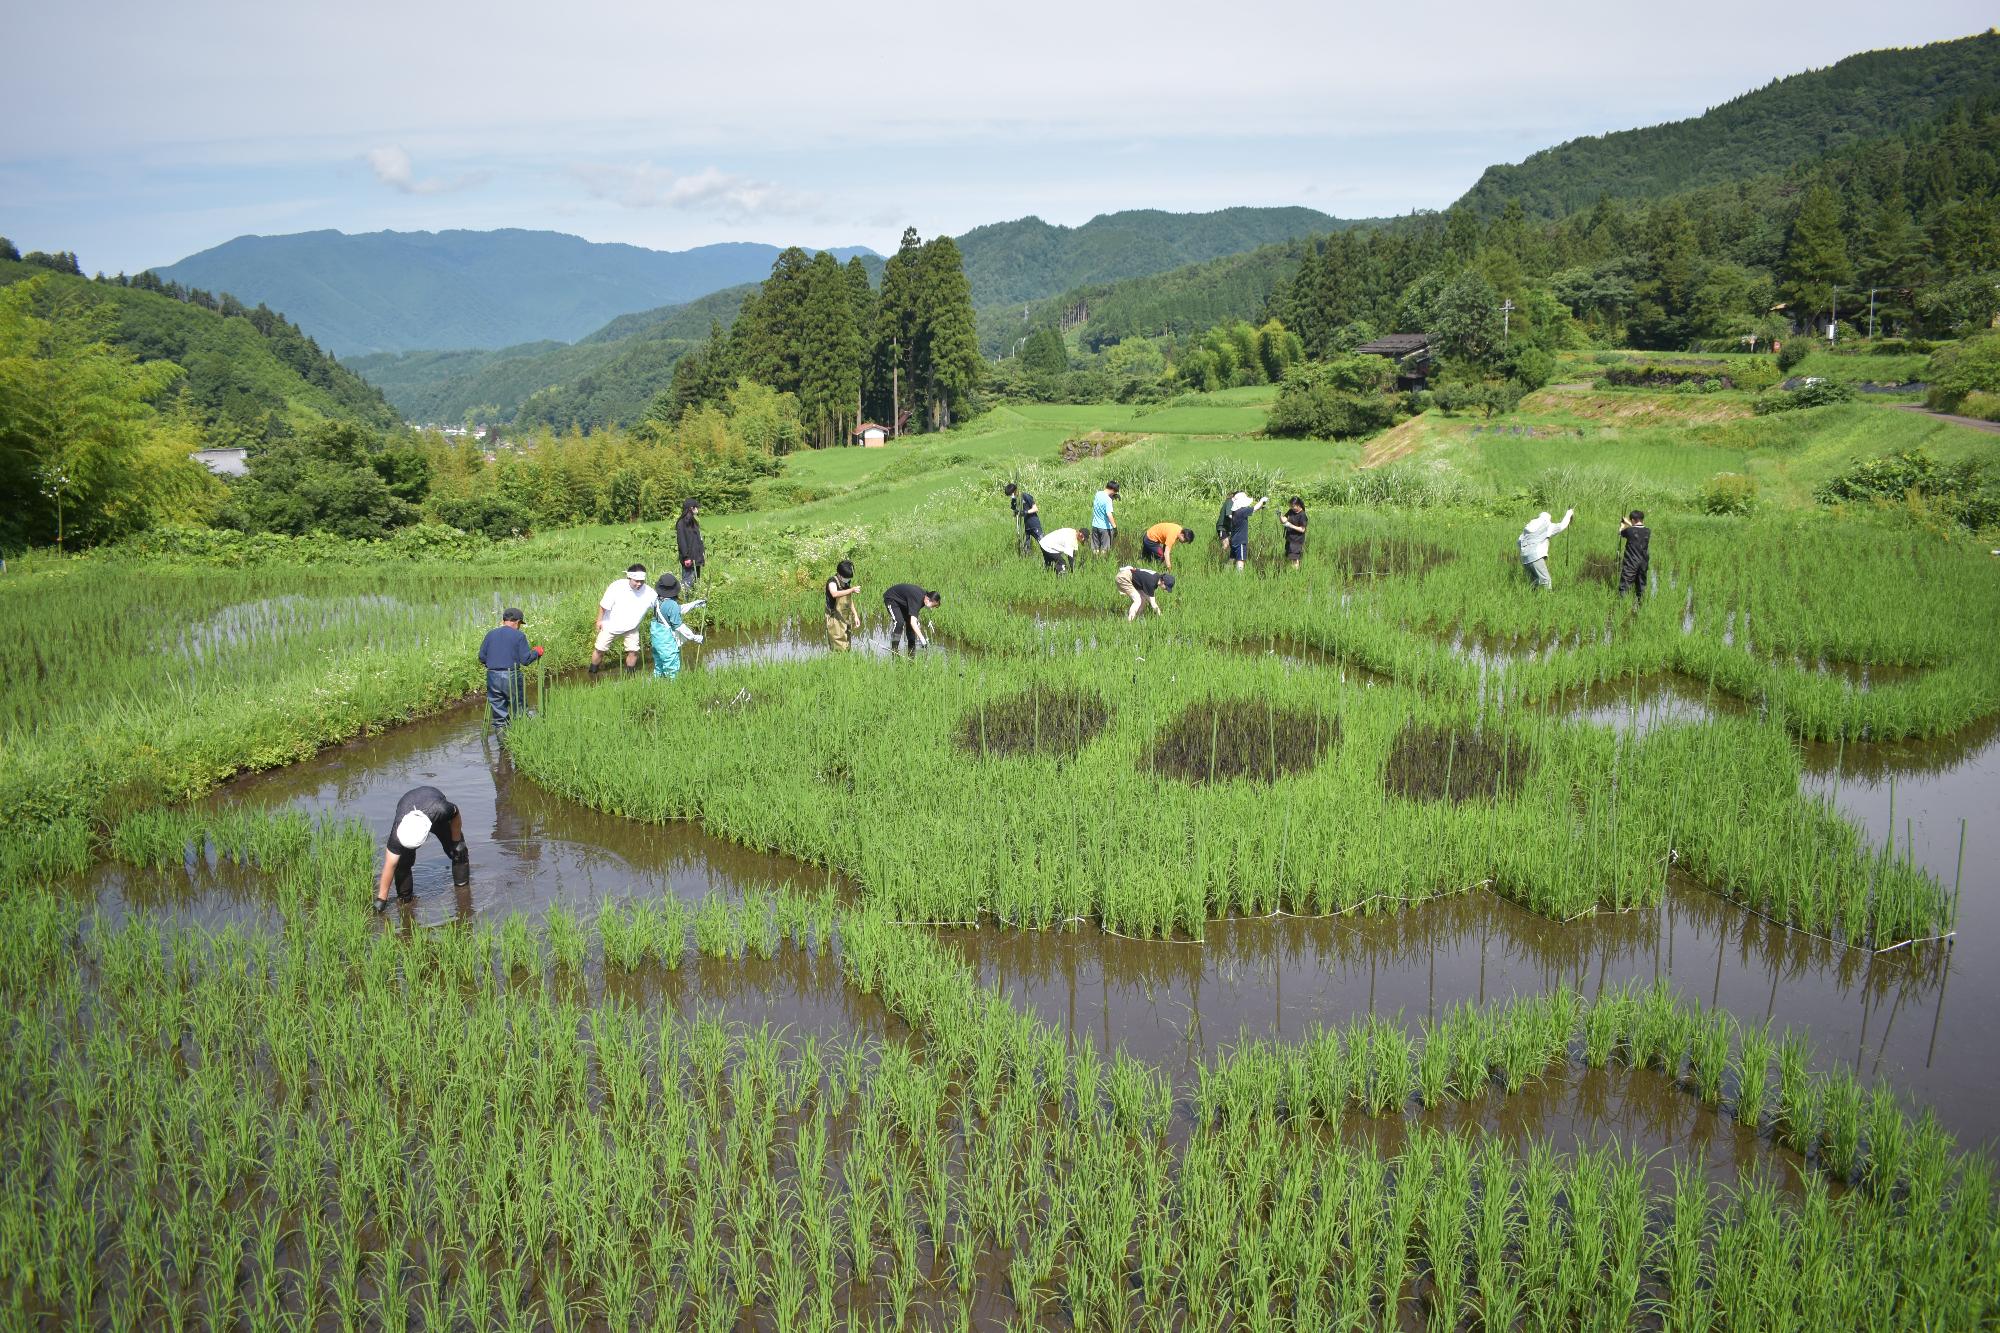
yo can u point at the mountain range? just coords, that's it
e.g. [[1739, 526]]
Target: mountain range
[[392, 291]]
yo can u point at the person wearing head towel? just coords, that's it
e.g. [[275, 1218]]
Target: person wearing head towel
[[666, 629], [1534, 544], [620, 612], [422, 812]]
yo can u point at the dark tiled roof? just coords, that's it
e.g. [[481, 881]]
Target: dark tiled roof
[[1396, 344]]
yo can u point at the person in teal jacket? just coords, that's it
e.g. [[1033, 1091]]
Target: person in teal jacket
[[667, 629]]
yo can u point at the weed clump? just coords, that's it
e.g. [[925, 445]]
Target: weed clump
[[1096, 444], [1216, 740], [1382, 559], [1045, 721], [1597, 567], [1437, 763]]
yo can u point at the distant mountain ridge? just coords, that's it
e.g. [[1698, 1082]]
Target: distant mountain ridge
[[390, 291], [1786, 122]]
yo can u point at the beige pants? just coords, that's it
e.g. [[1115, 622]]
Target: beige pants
[[605, 636], [837, 634], [1124, 581]]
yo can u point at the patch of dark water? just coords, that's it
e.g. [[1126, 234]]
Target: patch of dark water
[[793, 641], [1177, 1005], [1493, 653], [529, 848]]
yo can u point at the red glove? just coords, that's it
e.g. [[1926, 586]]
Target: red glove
[[539, 650], [687, 564]]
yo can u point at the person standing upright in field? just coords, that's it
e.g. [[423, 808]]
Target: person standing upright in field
[[1638, 556], [503, 652], [1157, 543], [667, 629], [1023, 505], [842, 616], [1534, 544], [1294, 519], [1143, 586], [624, 604], [1104, 519], [1241, 507], [687, 537], [907, 603]]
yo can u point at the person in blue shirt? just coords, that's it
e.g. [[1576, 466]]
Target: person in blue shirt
[[503, 652], [1103, 520], [667, 629]]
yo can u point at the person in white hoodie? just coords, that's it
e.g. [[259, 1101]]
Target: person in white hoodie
[[1535, 545]]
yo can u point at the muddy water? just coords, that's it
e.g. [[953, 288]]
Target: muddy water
[[1907, 1017], [529, 848]]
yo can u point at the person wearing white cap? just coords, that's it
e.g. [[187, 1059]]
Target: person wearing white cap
[[620, 612], [1534, 544], [423, 811]]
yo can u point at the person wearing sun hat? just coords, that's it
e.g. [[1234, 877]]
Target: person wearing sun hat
[[422, 812], [503, 652], [620, 612]]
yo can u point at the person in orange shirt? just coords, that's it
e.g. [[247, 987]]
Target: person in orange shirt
[[1158, 543]]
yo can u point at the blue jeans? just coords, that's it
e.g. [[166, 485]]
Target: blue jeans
[[503, 694]]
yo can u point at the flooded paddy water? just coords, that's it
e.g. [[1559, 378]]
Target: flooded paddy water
[[1915, 1017]]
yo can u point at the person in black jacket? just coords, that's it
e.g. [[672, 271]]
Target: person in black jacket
[[503, 652], [1632, 569], [907, 603], [687, 535], [422, 812]]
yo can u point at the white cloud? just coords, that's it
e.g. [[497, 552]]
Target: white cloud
[[708, 190], [391, 165]]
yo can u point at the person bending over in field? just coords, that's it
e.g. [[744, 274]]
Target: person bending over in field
[[1158, 542], [842, 615], [667, 629], [1240, 507], [1534, 544], [907, 604], [423, 811], [1023, 505], [1294, 519], [1638, 539], [1059, 549], [624, 604], [1143, 586]]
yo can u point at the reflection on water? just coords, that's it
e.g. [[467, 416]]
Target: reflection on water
[[1177, 1004]]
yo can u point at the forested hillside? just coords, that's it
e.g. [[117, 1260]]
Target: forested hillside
[[1786, 122], [248, 373], [397, 291], [1030, 259]]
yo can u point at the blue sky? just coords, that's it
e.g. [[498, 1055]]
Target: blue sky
[[138, 135]]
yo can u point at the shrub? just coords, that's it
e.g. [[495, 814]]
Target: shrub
[[1964, 492], [1985, 406], [492, 516], [1813, 393], [1324, 413], [1793, 352], [1727, 493], [1968, 367]]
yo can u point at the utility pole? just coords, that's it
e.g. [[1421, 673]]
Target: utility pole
[[1506, 317], [1871, 312], [896, 394]]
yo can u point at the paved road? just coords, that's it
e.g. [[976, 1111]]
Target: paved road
[[1990, 427]]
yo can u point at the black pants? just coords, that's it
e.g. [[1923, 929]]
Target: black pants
[[1151, 550], [406, 864], [690, 575], [1633, 578], [1057, 561], [900, 623]]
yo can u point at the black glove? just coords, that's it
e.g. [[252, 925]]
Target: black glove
[[460, 852], [381, 906]]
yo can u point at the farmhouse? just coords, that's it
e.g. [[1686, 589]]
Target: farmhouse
[[870, 435], [1410, 351]]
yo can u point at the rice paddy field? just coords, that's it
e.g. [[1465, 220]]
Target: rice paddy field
[[1374, 945]]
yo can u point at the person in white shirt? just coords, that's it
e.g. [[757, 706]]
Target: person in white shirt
[[1534, 545], [619, 613], [1059, 549]]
